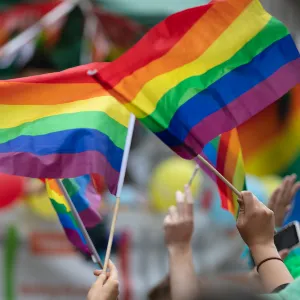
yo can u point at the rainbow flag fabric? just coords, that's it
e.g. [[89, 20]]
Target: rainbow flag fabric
[[225, 154], [278, 141], [61, 125], [86, 201], [204, 71]]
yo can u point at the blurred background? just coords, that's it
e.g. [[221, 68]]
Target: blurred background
[[36, 260]]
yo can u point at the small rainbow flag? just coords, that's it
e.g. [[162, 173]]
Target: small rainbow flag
[[61, 125], [225, 154], [86, 201], [204, 71]]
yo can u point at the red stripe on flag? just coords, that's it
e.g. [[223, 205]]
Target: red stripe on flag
[[221, 160]]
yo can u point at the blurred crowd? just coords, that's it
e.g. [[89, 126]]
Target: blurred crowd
[[256, 223]]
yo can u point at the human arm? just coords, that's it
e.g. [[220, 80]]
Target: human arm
[[280, 202], [178, 228], [256, 225]]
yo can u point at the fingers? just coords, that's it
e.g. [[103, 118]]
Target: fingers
[[113, 271], [189, 202], [101, 279], [284, 189], [167, 220], [288, 209], [173, 213], [287, 195], [183, 208], [274, 199], [97, 272], [284, 253], [295, 189], [180, 203], [248, 202]]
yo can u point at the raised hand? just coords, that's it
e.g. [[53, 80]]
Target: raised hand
[[106, 287], [281, 199], [255, 221], [179, 223], [256, 224], [179, 227]]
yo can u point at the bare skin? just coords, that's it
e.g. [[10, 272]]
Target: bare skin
[[281, 199], [179, 227], [106, 286], [256, 225]]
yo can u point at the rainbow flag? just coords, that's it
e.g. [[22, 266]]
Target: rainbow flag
[[86, 201], [204, 71], [61, 125], [225, 154], [278, 141]]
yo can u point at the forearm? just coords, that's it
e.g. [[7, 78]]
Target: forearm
[[273, 273], [183, 278], [249, 279]]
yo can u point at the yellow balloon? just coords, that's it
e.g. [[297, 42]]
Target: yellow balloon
[[41, 206], [271, 183], [168, 177]]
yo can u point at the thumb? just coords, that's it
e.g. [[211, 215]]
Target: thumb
[[113, 270], [241, 203], [101, 279], [97, 272], [284, 253]]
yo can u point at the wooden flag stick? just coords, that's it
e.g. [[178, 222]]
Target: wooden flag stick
[[95, 256], [119, 189], [219, 175]]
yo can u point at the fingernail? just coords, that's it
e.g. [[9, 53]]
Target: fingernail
[[179, 196]]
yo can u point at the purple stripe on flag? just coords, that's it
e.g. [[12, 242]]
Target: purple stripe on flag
[[93, 197], [59, 166], [76, 240], [90, 217], [241, 109]]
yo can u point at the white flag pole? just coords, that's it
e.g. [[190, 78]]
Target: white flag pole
[[193, 175], [119, 188], [29, 34]]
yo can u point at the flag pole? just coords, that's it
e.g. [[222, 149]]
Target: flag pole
[[196, 169], [119, 188], [29, 34], [95, 256], [193, 175], [219, 175]]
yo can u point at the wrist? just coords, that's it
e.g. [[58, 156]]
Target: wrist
[[263, 251], [180, 249]]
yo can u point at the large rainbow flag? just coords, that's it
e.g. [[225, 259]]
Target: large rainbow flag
[[61, 125], [204, 71], [85, 199], [225, 154]]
